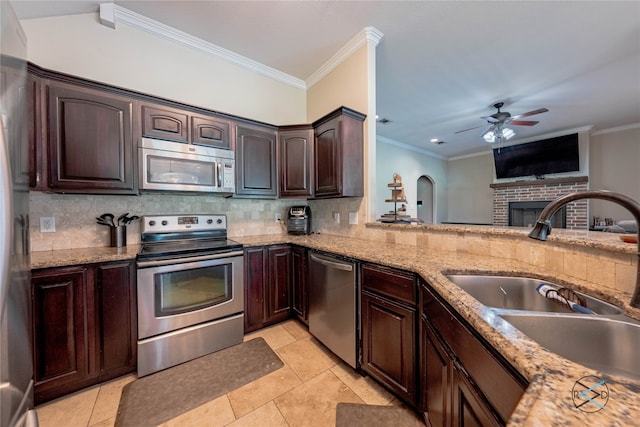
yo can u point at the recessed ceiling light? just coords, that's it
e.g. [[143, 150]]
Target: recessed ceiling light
[[437, 141], [434, 140], [383, 120]]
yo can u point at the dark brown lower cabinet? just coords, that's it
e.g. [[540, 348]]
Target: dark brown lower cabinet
[[84, 326], [464, 382], [116, 317], [300, 296], [436, 379], [468, 408], [62, 347], [268, 278], [279, 283], [388, 312]]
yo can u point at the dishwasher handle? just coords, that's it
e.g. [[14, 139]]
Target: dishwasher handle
[[332, 264]]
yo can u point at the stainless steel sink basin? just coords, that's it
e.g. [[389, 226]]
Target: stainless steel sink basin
[[519, 293], [608, 345]]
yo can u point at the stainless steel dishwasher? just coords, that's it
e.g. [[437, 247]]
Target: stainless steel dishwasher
[[333, 304]]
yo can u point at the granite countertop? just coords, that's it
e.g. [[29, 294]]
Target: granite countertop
[[548, 399], [66, 257]]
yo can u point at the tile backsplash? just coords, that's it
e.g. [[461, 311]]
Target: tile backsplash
[[76, 227]]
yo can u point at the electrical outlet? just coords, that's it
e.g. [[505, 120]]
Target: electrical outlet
[[336, 217], [353, 218], [47, 224], [278, 217]]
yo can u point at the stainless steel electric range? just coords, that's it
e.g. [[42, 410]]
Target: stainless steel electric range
[[190, 290]]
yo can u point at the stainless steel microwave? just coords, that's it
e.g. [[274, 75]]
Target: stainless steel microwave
[[173, 166]]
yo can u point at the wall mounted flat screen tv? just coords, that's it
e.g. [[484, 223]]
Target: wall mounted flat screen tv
[[547, 156]]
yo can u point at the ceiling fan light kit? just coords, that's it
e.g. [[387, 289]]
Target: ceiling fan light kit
[[498, 131]]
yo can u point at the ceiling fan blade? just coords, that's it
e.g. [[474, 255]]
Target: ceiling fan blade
[[524, 122], [464, 130], [530, 113]]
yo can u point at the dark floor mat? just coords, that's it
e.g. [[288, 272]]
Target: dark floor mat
[[356, 415], [159, 397]]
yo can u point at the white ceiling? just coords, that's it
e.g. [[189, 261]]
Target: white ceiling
[[441, 64]]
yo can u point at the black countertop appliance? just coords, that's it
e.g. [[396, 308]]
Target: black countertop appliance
[[299, 220]]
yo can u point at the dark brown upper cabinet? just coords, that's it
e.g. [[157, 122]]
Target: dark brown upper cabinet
[[296, 156], [338, 156], [90, 140], [165, 123], [37, 153], [256, 165], [178, 125]]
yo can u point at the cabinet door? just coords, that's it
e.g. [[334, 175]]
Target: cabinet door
[[295, 162], [469, 410], [339, 154], [116, 312], [90, 138], [37, 155], [299, 291], [279, 283], [435, 380], [254, 274], [210, 131], [256, 162], [327, 159], [63, 347], [388, 344], [165, 123]]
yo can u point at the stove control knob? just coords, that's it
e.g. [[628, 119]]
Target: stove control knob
[[219, 221], [165, 222], [152, 223], [209, 221]]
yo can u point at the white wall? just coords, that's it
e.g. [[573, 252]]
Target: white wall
[[133, 59], [469, 197], [614, 165], [411, 165]]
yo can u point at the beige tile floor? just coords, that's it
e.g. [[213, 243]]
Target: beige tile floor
[[304, 392]]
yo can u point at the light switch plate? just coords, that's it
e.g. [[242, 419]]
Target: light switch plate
[[47, 224], [336, 217]]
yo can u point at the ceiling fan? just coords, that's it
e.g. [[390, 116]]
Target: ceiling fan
[[498, 131]]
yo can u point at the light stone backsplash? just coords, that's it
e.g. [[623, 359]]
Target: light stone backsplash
[[594, 268], [76, 227]]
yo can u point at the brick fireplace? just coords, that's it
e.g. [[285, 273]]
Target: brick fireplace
[[541, 190]]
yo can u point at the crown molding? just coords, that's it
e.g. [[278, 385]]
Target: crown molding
[[409, 147], [367, 35], [110, 14], [616, 129]]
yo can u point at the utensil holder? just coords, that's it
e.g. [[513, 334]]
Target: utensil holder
[[119, 236]]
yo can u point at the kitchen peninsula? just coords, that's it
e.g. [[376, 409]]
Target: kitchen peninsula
[[596, 263]]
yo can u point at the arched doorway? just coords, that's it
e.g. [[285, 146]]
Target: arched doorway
[[424, 199]]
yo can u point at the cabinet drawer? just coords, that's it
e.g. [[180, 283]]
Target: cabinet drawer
[[396, 284], [502, 386]]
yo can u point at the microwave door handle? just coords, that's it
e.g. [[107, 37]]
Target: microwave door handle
[[219, 173]]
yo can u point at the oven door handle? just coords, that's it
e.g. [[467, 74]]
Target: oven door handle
[[173, 261]]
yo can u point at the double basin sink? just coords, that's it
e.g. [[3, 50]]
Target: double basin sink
[[607, 340]]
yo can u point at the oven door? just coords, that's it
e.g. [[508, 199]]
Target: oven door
[[174, 294]]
